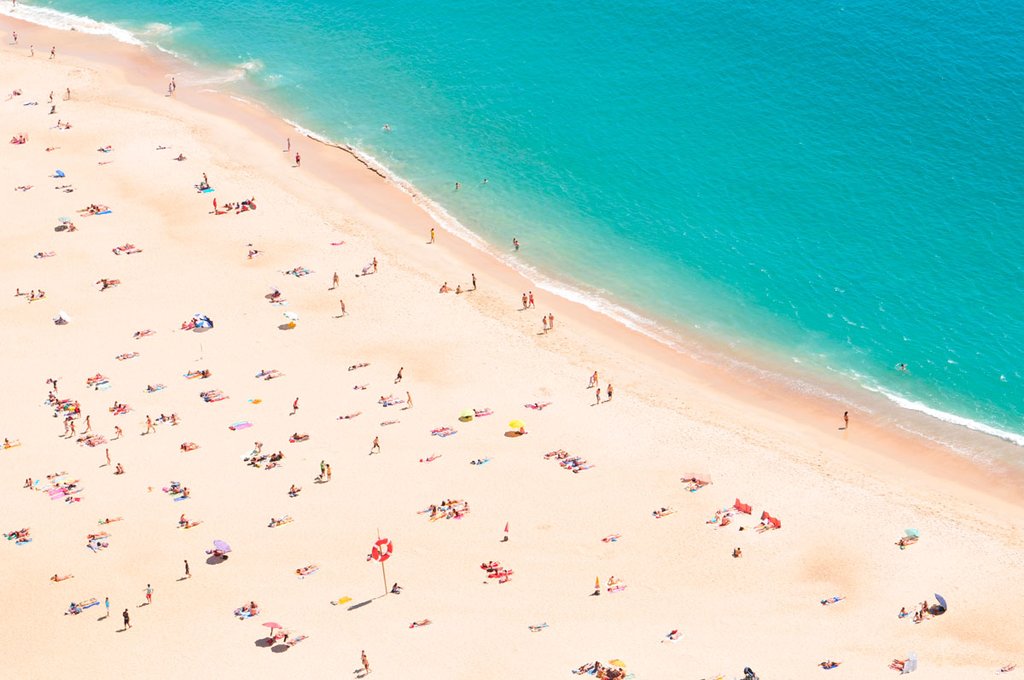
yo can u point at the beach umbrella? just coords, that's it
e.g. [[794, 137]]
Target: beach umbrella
[[62, 318], [516, 424], [941, 600], [291, 316], [617, 662], [271, 625], [222, 546], [912, 533]]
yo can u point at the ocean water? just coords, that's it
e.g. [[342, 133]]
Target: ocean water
[[836, 184]]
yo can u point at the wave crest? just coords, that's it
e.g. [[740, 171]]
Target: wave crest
[[65, 21]]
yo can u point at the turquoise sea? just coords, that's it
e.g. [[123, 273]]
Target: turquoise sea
[[836, 184]]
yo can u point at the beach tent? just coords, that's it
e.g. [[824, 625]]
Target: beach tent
[[58, 173], [467, 415], [62, 318], [203, 322], [911, 665], [941, 609], [743, 507]]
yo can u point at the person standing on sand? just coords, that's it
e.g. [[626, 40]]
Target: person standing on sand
[[295, 407], [610, 390], [846, 420], [108, 457], [374, 265], [551, 321], [188, 572], [376, 446], [525, 301], [593, 380], [474, 281], [53, 52], [398, 378], [366, 662], [328, 471], [106, 603], [127, 619], [335, 281], [88, 425], [149, 594], [598, 396], [342, 303], [117, 433], [544, 323], [431, 234], [532, 304], [288, 145], [408, 400], [298, 160], [149, 425]]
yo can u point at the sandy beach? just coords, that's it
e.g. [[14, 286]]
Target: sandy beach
[[843, 497]]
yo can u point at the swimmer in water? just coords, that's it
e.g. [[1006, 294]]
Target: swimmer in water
[[387, 128], [902, 368]]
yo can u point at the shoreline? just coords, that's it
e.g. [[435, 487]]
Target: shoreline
[[751, 381]]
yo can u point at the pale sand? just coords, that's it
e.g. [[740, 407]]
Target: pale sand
[[843, 498]]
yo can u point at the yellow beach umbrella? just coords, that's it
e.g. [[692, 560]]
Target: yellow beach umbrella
[[516, 424], [617, 662]]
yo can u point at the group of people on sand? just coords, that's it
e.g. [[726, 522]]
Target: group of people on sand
[[19, 139], [600, 671], [448, 509], [32, 295]]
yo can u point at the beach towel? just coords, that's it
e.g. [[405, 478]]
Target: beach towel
[[207, 190], [241, 425]]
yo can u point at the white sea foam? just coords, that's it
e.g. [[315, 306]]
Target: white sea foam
[[65, 21], [944, 416]]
